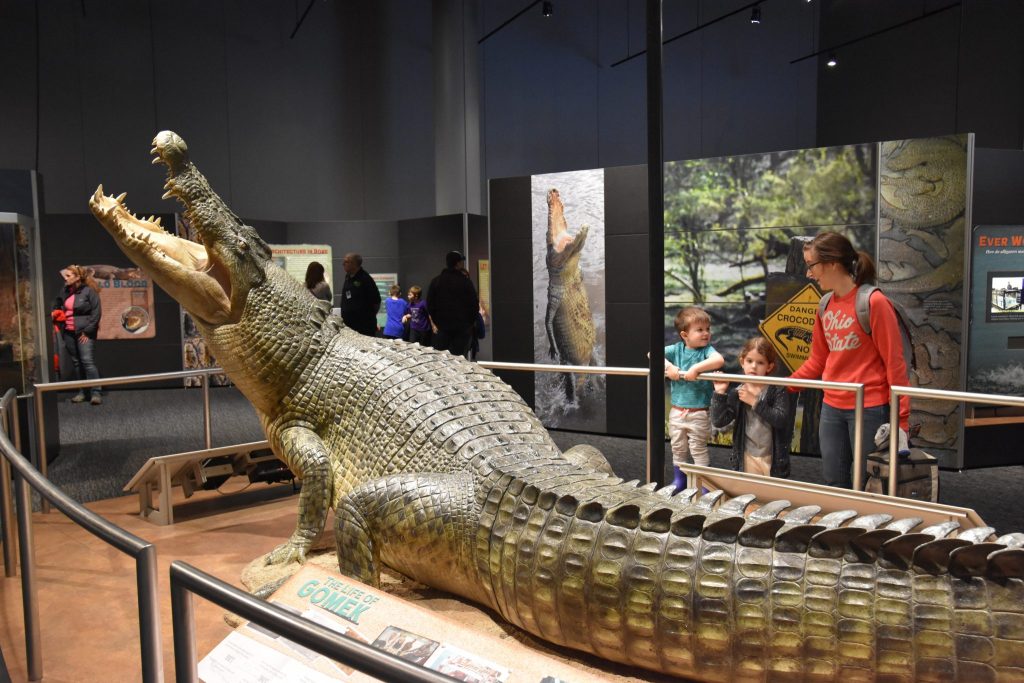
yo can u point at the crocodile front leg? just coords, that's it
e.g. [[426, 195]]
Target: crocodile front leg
[[307, 456], [422, 525]]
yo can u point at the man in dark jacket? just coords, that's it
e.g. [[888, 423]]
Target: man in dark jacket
[[360, 298], [452, 304]]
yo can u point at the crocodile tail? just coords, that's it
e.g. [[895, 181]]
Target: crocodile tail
[[700, 588]]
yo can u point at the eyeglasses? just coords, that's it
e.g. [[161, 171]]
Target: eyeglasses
[[811, 265]]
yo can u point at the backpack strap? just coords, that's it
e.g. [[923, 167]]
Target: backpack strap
[[863, 306], [823, 303]]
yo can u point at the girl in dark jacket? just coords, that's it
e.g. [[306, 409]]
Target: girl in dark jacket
[[761, 415], [76, 310]]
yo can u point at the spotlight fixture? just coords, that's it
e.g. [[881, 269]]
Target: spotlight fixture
[[755, 15], [548, 8], [832, 61]]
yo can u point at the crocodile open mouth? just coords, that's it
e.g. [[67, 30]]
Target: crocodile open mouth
[[187, 270]]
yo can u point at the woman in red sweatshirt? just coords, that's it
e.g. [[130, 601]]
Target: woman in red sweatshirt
[[842, 352]]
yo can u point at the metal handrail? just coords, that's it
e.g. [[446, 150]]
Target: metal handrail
[[142, 551], [579, 369], [45, 387], [187, 580], [938, 394], [858, 409], [857, 389]]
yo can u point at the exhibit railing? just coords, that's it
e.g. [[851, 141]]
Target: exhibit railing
[[857, 389], [43, 388], [858, 410], [143, 552], [187, 581], [941, 395]]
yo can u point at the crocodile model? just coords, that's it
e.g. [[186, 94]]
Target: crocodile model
[[437, 469], [568, 322]]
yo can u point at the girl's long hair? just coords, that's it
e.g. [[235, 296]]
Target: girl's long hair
[[314, 274], [832, 247]]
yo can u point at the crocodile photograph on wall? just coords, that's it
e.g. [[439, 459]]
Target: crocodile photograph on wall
[[568, 296]]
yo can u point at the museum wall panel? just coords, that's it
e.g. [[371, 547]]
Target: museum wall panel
[[422, 245], [511, 277], [375, 241]]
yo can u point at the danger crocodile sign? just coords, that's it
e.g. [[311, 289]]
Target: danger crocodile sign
[[789, 327]]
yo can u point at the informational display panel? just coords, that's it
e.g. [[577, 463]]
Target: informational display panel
[[295, 258], [254, 654], [995, 361], [483, 272], [384, 282], [126, 295]]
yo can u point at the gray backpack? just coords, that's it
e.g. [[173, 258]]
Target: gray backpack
[[863, 308]]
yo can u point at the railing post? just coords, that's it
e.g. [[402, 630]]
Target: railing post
[[41, 442], [6, 527], [894, 433], [206, 409], [858, 439], [183, 620], [149, 616], [30, 598]]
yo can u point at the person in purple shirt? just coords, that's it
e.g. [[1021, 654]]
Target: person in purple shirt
[[419, 321], [396, 309]]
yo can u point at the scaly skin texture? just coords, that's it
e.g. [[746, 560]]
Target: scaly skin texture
[[437, 469], [568, 321]]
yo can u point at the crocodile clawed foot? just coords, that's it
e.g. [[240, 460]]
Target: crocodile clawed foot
[[289, 551]]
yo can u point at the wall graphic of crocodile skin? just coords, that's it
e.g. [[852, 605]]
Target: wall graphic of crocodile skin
[[437, 469], [922, 208]]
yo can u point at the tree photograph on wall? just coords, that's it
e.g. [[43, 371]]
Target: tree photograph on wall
[[734, 230], [730, 222]]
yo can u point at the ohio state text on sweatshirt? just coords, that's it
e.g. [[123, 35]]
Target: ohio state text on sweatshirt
[[842, 352]]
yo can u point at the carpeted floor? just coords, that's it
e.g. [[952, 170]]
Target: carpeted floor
[[102, 447]]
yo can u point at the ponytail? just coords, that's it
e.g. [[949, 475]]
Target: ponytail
[[831, 247], [863, 269]]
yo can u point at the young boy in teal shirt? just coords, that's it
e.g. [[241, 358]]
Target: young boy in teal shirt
[[689, 425]]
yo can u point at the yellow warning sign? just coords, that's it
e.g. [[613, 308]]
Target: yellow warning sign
[[789, 327]]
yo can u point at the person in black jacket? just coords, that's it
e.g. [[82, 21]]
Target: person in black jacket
[[360, 298], [452, 305], [761, 415], [77, 311]]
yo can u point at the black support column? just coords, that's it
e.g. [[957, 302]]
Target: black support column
[[656, 247]]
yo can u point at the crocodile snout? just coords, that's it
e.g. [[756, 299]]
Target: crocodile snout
[[171, 150]]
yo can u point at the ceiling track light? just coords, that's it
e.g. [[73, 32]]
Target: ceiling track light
[[547, 8], [755, 15], [832, 61]]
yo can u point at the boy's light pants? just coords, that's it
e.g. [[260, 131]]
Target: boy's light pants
[[689, 430]]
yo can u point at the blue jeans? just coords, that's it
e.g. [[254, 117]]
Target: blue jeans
[[835, 435], [81, 356]]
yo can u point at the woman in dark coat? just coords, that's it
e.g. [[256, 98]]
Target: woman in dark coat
[[76, 311]]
